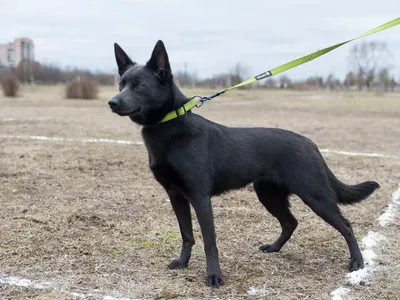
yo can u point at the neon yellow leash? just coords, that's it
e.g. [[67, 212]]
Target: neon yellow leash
[[282, 68], [309, 57]]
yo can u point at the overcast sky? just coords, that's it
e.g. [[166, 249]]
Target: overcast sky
[[210, 35]]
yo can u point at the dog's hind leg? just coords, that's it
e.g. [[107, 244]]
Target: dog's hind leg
[[275, 200], [329, 211], [181, 208]]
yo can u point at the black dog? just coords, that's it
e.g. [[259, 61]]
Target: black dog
[[194, 159]]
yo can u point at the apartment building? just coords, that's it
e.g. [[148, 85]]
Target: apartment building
[[11, 54]]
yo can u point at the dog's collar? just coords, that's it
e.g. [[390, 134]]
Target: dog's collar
[[179, 112]]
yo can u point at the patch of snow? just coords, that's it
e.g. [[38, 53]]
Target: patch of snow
[[391, 212], [364, 276], [74, 294], [340, 293], [19, 281], [372, 241], [252, 291], [369, 256], [27, 283], [115, 298]]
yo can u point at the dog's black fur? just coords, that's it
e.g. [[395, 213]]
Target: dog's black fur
[[194, 159]]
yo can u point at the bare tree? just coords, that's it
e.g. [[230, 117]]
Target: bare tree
[[186, 79], [392, 84], [360, 79], [238, 73], [332, 83], [366, 59], [350, 80], [386, 82], [284, 82], [270, 83], [315, 83]]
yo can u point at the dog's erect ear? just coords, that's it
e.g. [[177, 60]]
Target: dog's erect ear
[[123, 60], [159, 62]]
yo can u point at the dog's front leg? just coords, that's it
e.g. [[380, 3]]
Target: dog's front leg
[[181, 207], [202, 207]]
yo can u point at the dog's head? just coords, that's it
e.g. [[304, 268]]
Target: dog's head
[[146, 91]]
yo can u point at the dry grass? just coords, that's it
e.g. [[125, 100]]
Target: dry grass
[[91, 216], [10, 86], [82, 88]]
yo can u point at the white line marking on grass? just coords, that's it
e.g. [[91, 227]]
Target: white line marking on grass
[[371, 242], [70, 140], [358, 153], [8, 119], [125, 142], [12, 119], [46, 285]]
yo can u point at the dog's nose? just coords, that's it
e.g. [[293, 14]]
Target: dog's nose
[[114, 103]]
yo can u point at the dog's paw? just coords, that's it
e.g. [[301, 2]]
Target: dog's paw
[[177, 264], [356, 264], [269, 248], [214, 280]]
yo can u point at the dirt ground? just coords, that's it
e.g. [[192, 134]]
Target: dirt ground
[[90, 217]]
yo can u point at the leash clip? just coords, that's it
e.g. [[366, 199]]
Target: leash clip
[[200, 100]]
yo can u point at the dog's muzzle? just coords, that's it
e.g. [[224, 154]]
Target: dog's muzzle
[[116, 106], [115, 103]]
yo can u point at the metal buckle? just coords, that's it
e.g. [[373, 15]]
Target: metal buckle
[[199, 101]]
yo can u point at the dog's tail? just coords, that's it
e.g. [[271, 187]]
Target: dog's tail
[[350, 194]]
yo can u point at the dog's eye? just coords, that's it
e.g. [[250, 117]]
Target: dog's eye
[[140, 86]]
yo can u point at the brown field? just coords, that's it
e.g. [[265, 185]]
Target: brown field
[[90, 218]]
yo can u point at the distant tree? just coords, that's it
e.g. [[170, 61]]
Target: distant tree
[[392, 84], [26, 70], [332, 83], [216, 81], [366, 59], [350, 80], [360, 79], [284, 82], [186, 79], [315, 83], [385, 81], [270, 83], [238, 73], [31, 71], [104, 78], [370, 79]]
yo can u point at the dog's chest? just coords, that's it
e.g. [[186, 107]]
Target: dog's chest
[[166, 174], [164, 171]]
